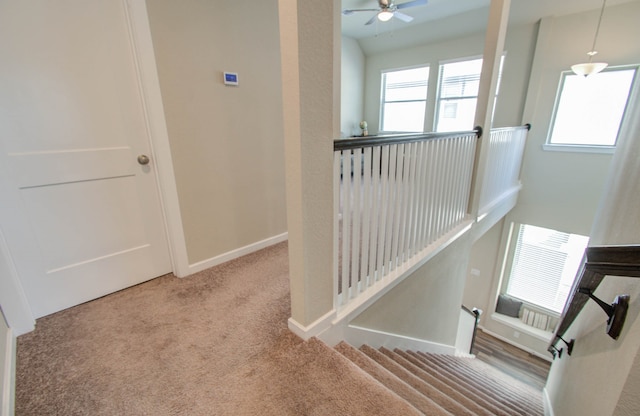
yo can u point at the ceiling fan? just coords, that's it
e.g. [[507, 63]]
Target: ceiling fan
[[388, 9]]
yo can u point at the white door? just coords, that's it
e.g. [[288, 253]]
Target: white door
[[80, 214]]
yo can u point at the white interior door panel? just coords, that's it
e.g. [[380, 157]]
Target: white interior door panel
[[82, 217]]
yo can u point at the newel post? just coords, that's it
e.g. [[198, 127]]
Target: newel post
[[493, 49], [309, 39]]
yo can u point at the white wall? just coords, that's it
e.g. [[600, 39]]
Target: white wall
[[602, 375], [629, 402], [226, 142], [482, 260], [352, 88], [562, 190]]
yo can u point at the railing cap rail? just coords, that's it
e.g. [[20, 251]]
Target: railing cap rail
[[525, 127], [370, 141]]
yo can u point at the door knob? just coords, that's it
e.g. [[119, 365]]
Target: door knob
[[143, 159]]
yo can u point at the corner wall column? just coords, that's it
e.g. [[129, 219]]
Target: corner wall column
[[493, 49], [310, 48]]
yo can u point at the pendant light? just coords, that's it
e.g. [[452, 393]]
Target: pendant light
[[589, 68]]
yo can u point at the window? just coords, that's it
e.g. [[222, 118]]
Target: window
[[589, 110], [458, 87], [544, 265], [457, 95], [404, 98]]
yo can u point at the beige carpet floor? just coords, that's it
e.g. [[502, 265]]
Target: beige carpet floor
[[215, 343]]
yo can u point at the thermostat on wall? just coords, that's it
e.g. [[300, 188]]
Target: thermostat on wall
[[230, 78]]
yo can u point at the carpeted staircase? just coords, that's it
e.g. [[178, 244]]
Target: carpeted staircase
[[446, 385]]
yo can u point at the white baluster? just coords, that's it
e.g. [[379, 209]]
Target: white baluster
[[367, 207]]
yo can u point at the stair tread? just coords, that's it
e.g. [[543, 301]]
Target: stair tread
[[421, 386], [388, 379], [512, 392], [477, 406], [496, 379], [482, 385], [490, 402], [445, 384]]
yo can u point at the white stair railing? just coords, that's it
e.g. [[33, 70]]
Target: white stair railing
[[394, 197], [504, 159]]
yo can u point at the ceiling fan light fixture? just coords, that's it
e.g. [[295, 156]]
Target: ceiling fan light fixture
[[385, 15]]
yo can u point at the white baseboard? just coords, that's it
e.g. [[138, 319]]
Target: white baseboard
[[546, 401], [7, 403], [517, 324], [234, 254], [357, 336], [515, 344], [315, 328]]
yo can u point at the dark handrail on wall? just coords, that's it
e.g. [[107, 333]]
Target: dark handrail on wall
[[601, 261]]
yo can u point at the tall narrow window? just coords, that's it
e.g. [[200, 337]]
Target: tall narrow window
[[545, 263], [589, 111], [458, 87], [404, 97]]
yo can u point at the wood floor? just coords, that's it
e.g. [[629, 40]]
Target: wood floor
[[520, 364]]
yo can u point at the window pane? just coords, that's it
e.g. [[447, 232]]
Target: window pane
[[404, 117], [404, 95], [409, 84], [590, 109], [460, 79], [460, 119], [545, 264], [459, 83]]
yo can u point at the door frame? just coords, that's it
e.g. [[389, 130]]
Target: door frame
[[157, 134], [12, 298]]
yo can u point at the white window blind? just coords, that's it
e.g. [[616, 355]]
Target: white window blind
[[545, 263], [404, 98]]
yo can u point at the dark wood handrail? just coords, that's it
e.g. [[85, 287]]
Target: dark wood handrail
[[526, 126], [467, 310], [601, 261], [371, 141]]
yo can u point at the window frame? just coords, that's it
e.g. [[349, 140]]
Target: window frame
[[589, 148], [438, 99], [508, 265], [383, 101]]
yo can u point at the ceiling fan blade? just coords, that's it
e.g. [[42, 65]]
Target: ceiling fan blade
[[348, 12], [413, 3], [373, 19], [405, 18]]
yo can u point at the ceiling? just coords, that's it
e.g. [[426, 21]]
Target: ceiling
[[522, 11]]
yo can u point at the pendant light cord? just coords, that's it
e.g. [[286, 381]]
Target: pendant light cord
[[595, 38]]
